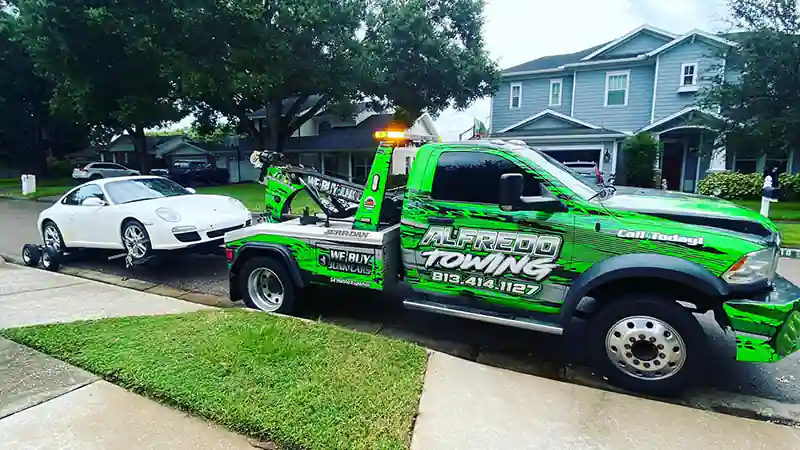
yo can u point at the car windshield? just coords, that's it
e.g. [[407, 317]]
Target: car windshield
[[571, 178], [127, 191]]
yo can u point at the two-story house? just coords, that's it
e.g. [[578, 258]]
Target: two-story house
[[581, 106]]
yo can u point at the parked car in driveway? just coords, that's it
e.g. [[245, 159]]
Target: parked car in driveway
[[97, 170], [141, 215], [189, 173], [587, 169]]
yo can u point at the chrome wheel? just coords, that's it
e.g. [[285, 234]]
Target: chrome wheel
[[26, 256], [135, 240], [265, 289], [46, 260], [646, 348], [52, 237]]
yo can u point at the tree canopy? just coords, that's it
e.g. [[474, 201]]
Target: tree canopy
[[759, 98]]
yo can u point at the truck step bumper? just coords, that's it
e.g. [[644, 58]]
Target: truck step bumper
[[483, 316], [767, 328]]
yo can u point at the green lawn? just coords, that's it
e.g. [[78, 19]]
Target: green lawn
[[790, 232], [296, 384], [777, 211], [44, 188], [252, 195]]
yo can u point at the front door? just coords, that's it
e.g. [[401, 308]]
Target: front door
[[465, 246], [672, 164]]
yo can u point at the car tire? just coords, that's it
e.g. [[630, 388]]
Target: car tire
[[52, 236], [266, 285], [647, 344], [51, 259], [31, 255], [136, 242]]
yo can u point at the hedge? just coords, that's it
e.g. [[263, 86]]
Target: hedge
[[740, 186]]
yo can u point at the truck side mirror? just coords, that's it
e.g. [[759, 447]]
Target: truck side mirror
[[510, 190]]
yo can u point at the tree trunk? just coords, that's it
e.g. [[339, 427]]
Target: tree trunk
[[140, 146], [273, 125]]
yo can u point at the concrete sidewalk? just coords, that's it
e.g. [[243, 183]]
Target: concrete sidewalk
[[46, 403]]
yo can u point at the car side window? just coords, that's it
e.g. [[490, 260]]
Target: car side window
[[474, 177], [79, 195]]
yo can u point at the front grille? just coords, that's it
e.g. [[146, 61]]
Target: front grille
[[190, 236], [218, 233]]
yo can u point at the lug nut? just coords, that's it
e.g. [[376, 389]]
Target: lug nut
[[652, 339], [661, 346], [635, 362], [657, 362], [629, 354], [627, 345], [662, 356]]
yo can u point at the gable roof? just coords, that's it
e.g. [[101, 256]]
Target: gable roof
[[684, 112], [717, 39], [358, 137], [551, 62], [554, 114], [627, 36]]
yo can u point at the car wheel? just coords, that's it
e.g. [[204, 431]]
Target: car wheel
[[51, 259], [31, 255], [265, 285], [52, 236], [136, 241], [647, 344]]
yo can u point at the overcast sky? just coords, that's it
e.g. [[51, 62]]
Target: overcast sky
[[517, 31]]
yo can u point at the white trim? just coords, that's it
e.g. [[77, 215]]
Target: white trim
[[675, 116], [617, 73], [684, 127], [688, 35], [574, 83], [627, 36], [350, 166], [724, 75], [491, 115], [695, 75], [568, 147], [511, 96], [614, 151], [561, 68], [683, 163], [564, 137], [552, 113], [697, 167], [560, 82], [655, 91], [789, 162]]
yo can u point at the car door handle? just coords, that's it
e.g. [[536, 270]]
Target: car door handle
[[440, 220]]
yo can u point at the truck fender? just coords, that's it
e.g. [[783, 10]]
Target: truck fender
[[277, 251], [641, 265]]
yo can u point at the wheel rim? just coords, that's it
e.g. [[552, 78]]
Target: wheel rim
[[46, 260], [646, 348], [135, 241], [265, 289], [26, 255], [51, 237]]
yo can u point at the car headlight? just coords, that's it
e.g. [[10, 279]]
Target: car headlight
[[168, 215], [753, 267]]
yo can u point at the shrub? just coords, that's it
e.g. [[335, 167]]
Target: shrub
[[740, 186], [641, 151]]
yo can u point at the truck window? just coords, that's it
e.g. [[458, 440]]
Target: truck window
[[474, 177]]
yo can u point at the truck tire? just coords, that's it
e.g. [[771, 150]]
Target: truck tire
[[265, 285], [648, 344]]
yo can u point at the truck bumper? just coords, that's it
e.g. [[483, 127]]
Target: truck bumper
[[767, 326]]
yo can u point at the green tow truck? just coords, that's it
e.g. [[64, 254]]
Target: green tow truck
[[500, 232]]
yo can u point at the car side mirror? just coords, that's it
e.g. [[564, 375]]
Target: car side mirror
[[191, 190], [510, 191], [93, 201]]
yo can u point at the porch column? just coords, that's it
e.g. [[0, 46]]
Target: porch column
[[718, 157], [350, 166]]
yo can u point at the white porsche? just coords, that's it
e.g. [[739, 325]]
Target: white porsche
[[140, 215]]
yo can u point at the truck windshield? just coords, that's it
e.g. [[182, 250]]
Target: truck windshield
[[571, 179]]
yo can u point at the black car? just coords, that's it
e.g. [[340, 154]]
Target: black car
[[189, 173]]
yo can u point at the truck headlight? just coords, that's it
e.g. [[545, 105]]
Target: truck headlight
[[168, 214], [753, 267]]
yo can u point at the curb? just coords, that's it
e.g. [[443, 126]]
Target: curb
[[793, 253], [217, 301]]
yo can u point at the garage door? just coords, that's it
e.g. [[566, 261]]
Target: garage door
[[575, 155]]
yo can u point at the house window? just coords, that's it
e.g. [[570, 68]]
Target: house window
[[516, 95], [555, 92], [362, 162], [617, 84], [689, 74], [323, 127], [746, 165]]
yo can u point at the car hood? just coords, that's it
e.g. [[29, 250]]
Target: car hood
[[205, 206], [691, 209]]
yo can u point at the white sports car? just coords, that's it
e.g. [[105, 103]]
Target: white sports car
[[140, 215]]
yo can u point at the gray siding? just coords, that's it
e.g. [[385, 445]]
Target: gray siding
[[549, 123], [639, 44], [589, 99], [535, 98], [668, 100]]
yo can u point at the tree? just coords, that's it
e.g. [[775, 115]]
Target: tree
[[761, 104], [640, 153], [108, 61], [29, 131], [295, 58]]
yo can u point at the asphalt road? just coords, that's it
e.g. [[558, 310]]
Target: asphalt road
[[515, 349]]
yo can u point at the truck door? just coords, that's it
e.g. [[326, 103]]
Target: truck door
[[459, 244]]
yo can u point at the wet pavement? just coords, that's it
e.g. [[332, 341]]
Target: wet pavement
[[515, 349]]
